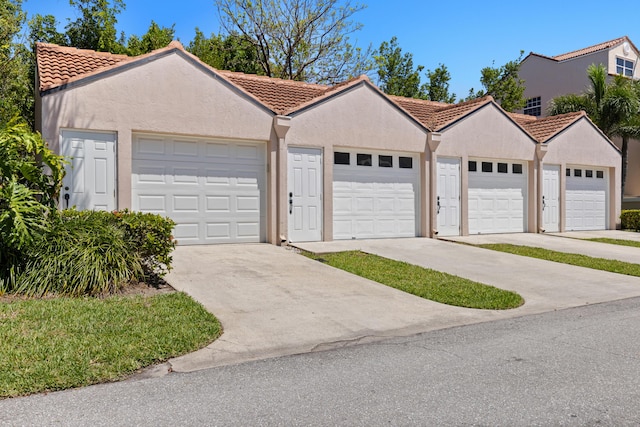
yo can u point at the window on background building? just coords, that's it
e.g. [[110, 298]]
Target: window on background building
[[533, 107], [624, 67]]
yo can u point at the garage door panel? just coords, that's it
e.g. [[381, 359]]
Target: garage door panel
[[185, 203], [364, 206], [218, 203], [212, 198], [373, 201], [586, 207], [341, 205], [497, 201]]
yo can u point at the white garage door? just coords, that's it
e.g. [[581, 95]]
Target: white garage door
[[213, 189], [586, 196], [375, 195], [497, 197]]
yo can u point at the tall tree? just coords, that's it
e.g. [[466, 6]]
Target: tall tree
[[437, 88], [396, 72], [96, 27], [232, 52], [613, 106], [299, 39], [16, 97], [503, 84], [156, 37], [45, 29]]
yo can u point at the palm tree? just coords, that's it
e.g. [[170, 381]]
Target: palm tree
[[614, 107]]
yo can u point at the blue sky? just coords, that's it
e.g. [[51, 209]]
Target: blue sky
[[464, 35]]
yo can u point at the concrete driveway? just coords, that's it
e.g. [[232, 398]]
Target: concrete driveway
[[272, 301], [561, 243]]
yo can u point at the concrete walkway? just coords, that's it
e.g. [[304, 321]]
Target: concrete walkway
[[609, 234], [272, 301], [560, 242]]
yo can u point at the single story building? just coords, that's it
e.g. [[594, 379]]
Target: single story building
[[243, 158]]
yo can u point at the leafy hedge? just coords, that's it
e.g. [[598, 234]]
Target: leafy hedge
[[630, 219], [93, 253]]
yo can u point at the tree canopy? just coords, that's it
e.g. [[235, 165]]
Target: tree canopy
[[305, 40], [96, 27], [232, 52], [396, 73], [398, 76], [504, 84], [437, 87], [16, 97]]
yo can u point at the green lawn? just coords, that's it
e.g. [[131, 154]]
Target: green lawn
[[609, 265], [54, 344], [426, 283], [620, 242]]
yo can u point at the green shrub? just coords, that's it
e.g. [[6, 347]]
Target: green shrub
[[93, 253], [85, 254], [149, 235], [30, 178], [630, 220]]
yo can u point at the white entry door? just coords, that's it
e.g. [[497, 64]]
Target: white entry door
[[89, 183], [551, 198], [448, 198], [304, 195]]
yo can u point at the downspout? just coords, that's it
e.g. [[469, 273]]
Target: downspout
[[281, 125], [433, 142]]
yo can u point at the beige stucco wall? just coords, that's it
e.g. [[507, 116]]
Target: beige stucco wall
[[170, 94], [583, 145], [548, 79], [357, 118], [488, 133], [632, 183]]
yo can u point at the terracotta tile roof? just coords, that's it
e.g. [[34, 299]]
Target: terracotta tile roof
[[543, 129], [446, 115], [277, 94], [522, 119], [419, 108], [57, 65], [590, 49]]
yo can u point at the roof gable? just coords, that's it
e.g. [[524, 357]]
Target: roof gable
[[58, 65], [542, 130], [584, 51]]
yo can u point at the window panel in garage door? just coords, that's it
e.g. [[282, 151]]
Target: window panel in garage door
[[497, 197], [214, 190], [376, 198]]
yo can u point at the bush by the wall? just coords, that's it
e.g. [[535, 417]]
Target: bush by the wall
[[85, 254], [147, 234], [630, 219], [92, 253]]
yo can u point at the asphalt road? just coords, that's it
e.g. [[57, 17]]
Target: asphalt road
[[576, 367]]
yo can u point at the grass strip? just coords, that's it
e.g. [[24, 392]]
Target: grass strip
[[423, 282], [621, 242], [61, 343], [610, 265]]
